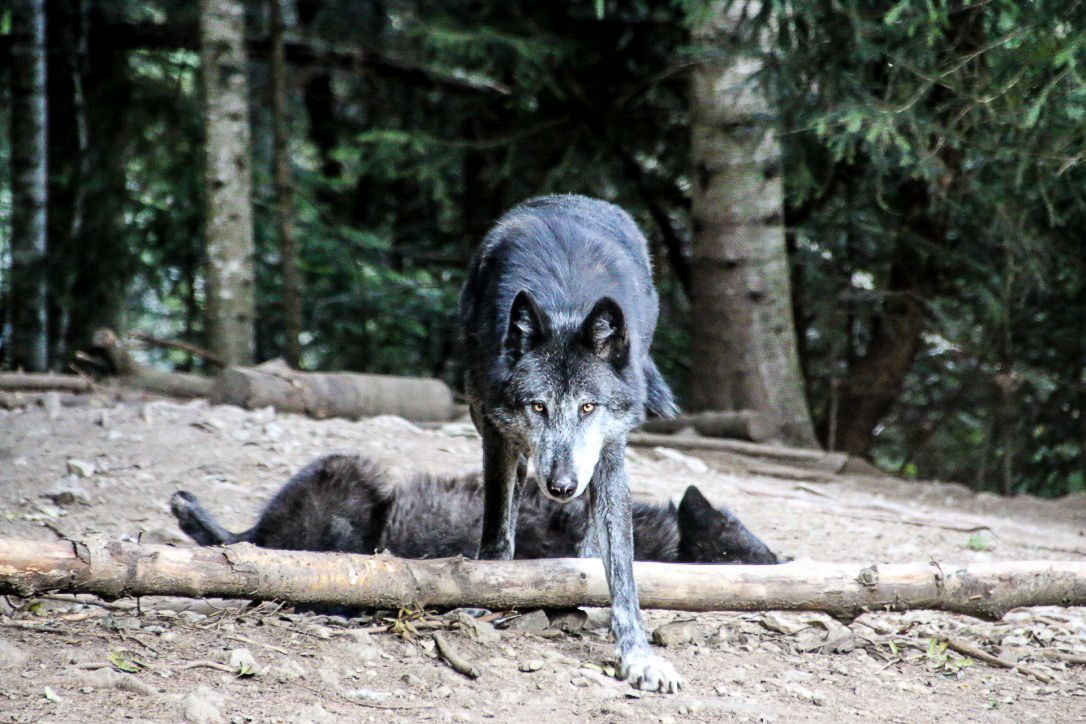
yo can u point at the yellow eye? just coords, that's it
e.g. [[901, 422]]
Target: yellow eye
[[587, 408], [539, 407]]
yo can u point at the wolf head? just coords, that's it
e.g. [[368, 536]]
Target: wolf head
[[709, 535], [569, 389]]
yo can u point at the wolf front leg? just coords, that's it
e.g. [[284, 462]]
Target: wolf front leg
[[611, 521], [503, 478]]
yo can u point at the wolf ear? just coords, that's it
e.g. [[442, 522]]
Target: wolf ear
[[695, 509], [528, 326], [604, 331]]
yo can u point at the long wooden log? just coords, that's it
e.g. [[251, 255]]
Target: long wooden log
[[39, 382], [117, 568], [736, 424], [334, 394]]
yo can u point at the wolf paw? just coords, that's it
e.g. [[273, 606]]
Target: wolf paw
[[651, 673]]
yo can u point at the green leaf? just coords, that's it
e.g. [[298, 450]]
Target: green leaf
[[895, 12], [119, 660]]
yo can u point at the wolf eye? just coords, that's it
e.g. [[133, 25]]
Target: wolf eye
[[539, 407], [587, 408]]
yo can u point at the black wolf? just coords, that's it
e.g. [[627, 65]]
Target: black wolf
[[557, 316], [349, 504]]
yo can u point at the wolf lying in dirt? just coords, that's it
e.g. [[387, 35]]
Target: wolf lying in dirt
[[349, 504]]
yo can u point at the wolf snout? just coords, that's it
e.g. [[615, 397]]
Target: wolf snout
[[562, 488]]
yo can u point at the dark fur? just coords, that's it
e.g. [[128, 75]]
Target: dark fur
[[558, 311], [347, 503]]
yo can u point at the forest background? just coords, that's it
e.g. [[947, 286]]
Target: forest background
[[866, 217]]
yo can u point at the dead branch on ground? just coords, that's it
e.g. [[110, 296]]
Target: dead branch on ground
[[118, 568]]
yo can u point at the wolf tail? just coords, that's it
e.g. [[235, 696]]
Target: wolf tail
[[198, 523], [659, 402]]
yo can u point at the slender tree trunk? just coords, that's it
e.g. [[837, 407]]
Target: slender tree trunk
[[229, 225], [875, 380], [744, 342], [30, 349], [99, 261], [67, 148], [284, 193]]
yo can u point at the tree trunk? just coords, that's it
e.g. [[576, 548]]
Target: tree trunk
[[229, 226], [99, 261], [284, 193], [29, 341], [67, 140], [874, 381], [117, 568], [743, 338]]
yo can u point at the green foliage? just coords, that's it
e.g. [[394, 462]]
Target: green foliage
[[930, 149], [942, 142], [978, 543]]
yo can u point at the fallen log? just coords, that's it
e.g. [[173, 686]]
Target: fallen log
[[741, 425], [119, 568], [130, 373], [43, 382], [829, 462], [334, 394]]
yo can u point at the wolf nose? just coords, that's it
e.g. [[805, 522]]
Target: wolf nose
[[562, 488]]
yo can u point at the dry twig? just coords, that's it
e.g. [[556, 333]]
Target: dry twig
[[981, 655], [464, 667]]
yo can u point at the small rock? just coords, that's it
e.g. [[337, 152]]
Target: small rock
[[163, 535], [82, 468], [531, 665], [532, 621], [569, 620], [678, 632], [191, 616], [802, 692], [598, 618], [67, 491], [243, 662], [776, 622], [314, 714], [121, 623], [478, 631], [110, 679], [442, 692], [201, 706], [694, 707], [288, 670], [366, 694], [11, 656], [411, 680]]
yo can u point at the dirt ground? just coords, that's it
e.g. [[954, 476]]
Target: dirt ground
[[71, 467]]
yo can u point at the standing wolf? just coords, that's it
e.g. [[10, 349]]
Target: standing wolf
[[557, 313]]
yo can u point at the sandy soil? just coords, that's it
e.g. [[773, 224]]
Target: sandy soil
[[105, 467]]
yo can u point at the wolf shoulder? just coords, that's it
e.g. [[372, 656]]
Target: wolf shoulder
[[568, 251]]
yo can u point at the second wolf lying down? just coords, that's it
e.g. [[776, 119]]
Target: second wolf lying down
[[348, 503]]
